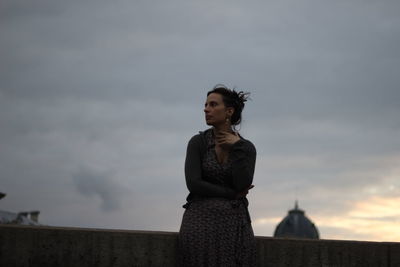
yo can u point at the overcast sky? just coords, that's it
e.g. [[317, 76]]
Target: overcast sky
[[99, 98]]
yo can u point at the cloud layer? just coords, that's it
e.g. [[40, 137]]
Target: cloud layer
[[98, 100]]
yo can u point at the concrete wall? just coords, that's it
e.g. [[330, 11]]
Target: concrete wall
[[76, 247]]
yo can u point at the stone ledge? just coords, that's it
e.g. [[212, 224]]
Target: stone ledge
[[22, 246]]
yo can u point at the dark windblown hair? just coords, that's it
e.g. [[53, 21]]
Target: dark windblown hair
[[233, 99]]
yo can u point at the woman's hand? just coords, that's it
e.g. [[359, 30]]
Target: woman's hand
[[244, 192], [225, 139]]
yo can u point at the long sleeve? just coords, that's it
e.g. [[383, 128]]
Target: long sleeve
[[243, 155], [193, 173]]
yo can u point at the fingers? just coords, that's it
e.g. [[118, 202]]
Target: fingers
[[226, 138], [220, 140], [223, 136], [220, 135]]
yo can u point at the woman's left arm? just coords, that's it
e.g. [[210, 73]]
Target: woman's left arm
[[243, 155]]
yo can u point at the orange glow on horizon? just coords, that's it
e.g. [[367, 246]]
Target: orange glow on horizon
[[373, 219]]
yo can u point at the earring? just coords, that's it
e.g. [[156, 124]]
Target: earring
[[227, 120]]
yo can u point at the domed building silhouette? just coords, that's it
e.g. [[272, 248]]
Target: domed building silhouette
[[296, 225]]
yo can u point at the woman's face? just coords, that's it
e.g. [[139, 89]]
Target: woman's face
[[215, 110]]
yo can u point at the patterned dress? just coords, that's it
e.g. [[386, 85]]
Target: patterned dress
[[216, 231]]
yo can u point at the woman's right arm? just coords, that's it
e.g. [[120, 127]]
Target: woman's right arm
[[193, 174]]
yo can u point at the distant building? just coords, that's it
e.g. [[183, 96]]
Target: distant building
[[296, 225], [24, 218]]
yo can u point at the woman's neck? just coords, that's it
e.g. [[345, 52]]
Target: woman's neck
[[222, 128]]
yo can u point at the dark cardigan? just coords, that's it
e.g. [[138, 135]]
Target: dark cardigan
[[243, 156]]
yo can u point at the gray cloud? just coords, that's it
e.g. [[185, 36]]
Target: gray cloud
[[120, 86], [91, 183]]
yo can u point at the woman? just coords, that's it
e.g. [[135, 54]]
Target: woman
[[216, 228]]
